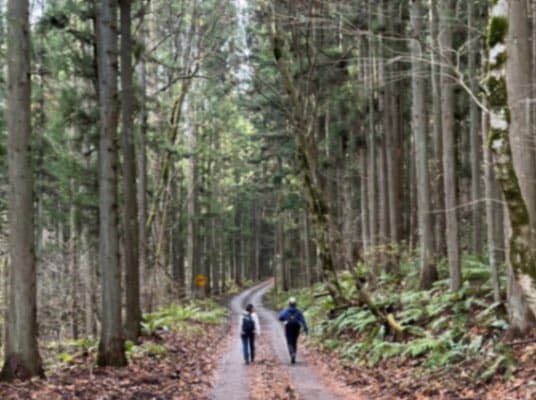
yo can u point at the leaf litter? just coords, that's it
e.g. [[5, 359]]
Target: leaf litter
[[183, 368]]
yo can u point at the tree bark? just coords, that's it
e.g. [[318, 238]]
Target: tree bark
[[371, 168], [491, 204], [428, 272], [307, 249], [438, 200], [364, 200], [474, 132], [142, 173], [22, 360], [521, 252], [111, 351], [383, 195], [518, 76], [449, 154], [74, 269], [89, 284], [130, 214]]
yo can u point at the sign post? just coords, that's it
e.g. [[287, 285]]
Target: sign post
[[200, 281]]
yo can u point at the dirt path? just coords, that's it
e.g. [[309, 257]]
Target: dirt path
[[272, 376], [307, 382], [232, 382]]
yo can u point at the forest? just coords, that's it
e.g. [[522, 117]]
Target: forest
[[165, 163]]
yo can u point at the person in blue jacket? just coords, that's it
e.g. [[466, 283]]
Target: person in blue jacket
[[294, 321]]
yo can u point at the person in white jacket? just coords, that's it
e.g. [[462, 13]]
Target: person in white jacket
[[249, 327]]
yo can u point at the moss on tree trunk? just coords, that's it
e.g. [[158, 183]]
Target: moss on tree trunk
[[522, 256]]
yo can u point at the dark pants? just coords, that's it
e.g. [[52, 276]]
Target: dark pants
[[292, 341], [248, 346]]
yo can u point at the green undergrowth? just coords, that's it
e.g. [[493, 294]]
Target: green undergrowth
[[185, 319], [439, 328]]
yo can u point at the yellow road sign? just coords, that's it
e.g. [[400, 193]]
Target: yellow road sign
[[200, 280]]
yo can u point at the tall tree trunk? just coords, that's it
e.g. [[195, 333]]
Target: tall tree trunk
[[428, 271], [383, 210], [364, 200], [74, 269], [130, 214], [521, 252], [533, 70], [371, 168], [236, 245], [394, 165], [438, 200], [307, 249], [111, 350], [385, 124], [278, 260], [192, 242], [491, 204], [22, 360], [89, 283], [518, 76], [446, 10], [474, 132], [142, 172], [392, 136], [413, 215], [257, 243]]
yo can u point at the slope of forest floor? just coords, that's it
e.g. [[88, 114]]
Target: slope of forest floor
[[170, 362], [453, 345]]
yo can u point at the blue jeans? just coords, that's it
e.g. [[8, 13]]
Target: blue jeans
[[248, 346]]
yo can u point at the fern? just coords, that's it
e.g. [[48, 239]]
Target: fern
[[440, 323], [411, 315], [440, 358], [438, 307], [502, 361], [420, 347], [66, 358], [151, 325], [499, 323], [352, 350], [413, 297], [383, 351], [489, 310], [86, 344], [475, 270]]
